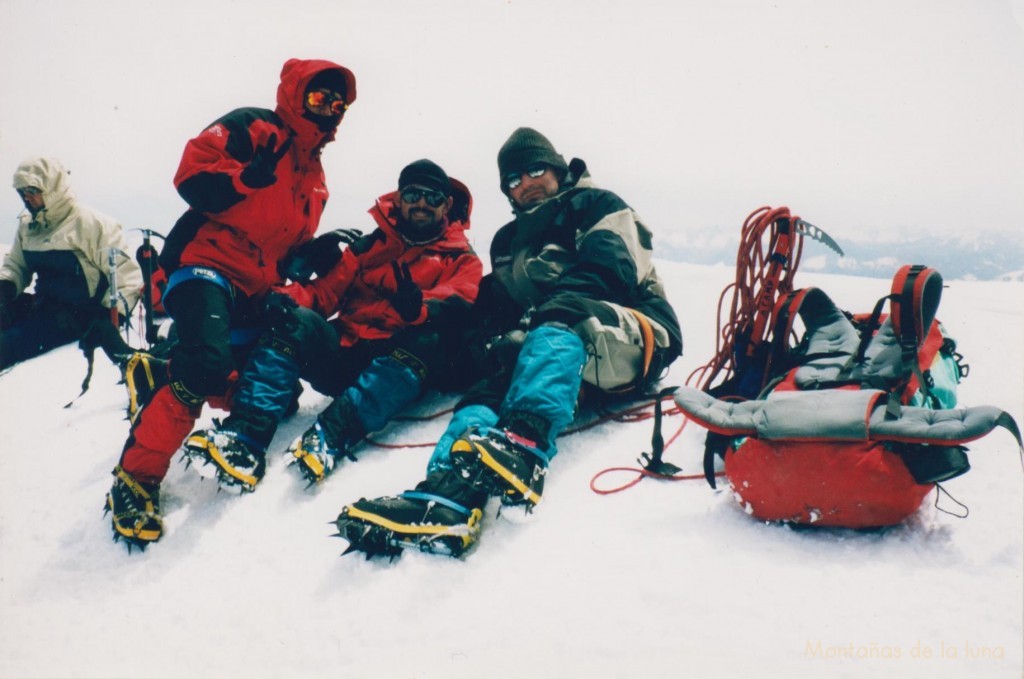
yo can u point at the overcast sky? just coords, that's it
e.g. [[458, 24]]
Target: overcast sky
[[889, 116]]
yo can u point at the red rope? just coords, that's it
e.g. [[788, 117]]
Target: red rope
[[641, 472], [760, 279], [765, 264], [631, 414]]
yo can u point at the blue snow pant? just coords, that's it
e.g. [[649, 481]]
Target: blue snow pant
[[574, 340], [371, 381], [541, 395]]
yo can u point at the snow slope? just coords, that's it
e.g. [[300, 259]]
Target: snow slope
[[662, 580]]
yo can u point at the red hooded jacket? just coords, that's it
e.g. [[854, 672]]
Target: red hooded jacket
[[360, 286], [240, 231]]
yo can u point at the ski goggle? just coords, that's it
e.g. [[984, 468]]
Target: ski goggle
[[327, 99], [29, 191], [434, 198], [514, 179]]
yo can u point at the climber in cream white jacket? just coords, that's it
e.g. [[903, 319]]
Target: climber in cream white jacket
[[70, 251]]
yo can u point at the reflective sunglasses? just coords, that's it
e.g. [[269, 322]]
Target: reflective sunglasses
[[29, 191], [327, 98], [434, 198], [514, 179]]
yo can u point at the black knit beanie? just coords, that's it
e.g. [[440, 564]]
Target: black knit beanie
[[426, 173], [525, 147]]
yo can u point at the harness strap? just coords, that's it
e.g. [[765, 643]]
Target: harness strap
[[201, 273], [240, 336]]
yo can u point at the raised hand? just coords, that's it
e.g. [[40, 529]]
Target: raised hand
[[259, 173], [407, 298]]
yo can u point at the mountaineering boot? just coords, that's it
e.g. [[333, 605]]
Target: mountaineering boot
[[331, 437], [144, 374], [135, 510], [501, 463], [239, 461], [312, 455], [442, 516]]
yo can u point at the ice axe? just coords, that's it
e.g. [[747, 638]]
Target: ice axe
[[146, 256]]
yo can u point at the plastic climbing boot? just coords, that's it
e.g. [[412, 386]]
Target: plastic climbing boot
[[502, 464], [237, 461], [414, 519], [313, 456], [134, 509]]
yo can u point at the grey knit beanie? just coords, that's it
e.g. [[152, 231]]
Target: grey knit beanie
[[525, 147]]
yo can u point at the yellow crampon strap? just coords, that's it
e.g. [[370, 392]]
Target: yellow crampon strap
[[464, 532], [136, 531], [221, 461], [310, 461], [136, 487], [462, 446], [133, 392]]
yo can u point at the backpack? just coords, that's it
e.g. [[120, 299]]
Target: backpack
[[857, 422]]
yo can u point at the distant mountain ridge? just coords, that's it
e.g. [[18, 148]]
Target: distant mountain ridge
[[983, 257]]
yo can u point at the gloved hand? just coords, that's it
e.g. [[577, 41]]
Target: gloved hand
[[259, 173], [407, 298], [279, 311], [317, 256]]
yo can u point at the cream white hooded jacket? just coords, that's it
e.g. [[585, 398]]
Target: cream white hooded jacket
[[67, 246]]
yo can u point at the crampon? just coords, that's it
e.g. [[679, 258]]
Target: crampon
[[135, 511], [238, 465], [413, 520], [501, 464]]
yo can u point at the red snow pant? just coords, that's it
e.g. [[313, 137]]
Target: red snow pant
[[202, 369]]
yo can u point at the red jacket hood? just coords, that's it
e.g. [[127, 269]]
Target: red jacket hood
[[384, 212], [295, 76]]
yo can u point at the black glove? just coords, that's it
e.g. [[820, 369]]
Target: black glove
[[407, 298], [317, 256], [259, 173], [279, 311]]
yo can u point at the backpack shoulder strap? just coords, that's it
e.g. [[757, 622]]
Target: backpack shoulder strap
[[915, 295], [830, 338], [916, 291]]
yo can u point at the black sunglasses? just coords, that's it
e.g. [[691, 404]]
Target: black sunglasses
[[514, 179], [434, 198]]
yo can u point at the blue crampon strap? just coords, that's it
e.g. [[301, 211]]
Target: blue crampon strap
[[440, 499], [250, 441]]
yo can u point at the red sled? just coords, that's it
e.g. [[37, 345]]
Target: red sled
[[859, 423]]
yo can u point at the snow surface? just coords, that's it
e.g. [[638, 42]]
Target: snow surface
[[661, 580]]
